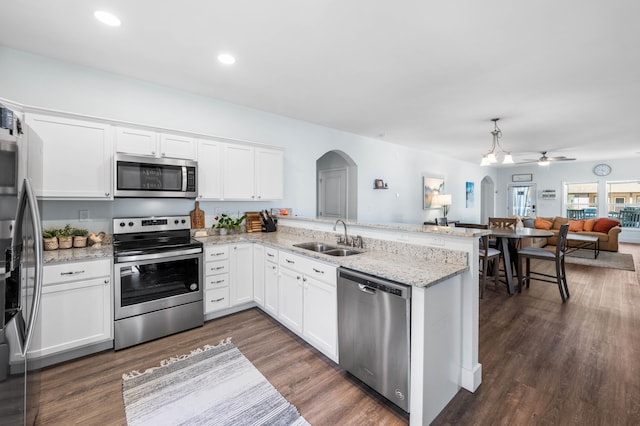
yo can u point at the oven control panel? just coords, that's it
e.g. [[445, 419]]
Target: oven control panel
[[125, 225]]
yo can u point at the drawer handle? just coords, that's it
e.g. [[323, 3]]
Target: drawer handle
[[217, 300], [219, 281], [318, 271], [72, 273], [218, 254], [218, 268], [270, 254], [290, 261]]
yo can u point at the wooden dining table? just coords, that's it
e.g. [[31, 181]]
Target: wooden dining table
[[507, 239]]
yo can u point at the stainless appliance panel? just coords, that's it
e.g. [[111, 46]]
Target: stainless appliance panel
[[374, 333], [138, 176], [151, 285], [8, 168]]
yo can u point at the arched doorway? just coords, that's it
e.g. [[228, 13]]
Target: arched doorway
[[336, 186]]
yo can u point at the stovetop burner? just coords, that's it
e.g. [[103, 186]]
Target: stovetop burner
[[148, 235]]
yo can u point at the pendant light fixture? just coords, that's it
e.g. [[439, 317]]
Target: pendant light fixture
[[491, 156]]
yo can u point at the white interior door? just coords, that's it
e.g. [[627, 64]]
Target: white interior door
[[332, 187]]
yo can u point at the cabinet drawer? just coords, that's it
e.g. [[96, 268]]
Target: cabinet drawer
[[322, 272], [271, 254], [216, 281], [66, 272], [216, 299], [216, 253], [219, 267], [291, 261]]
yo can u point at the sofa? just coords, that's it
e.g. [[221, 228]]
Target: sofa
[[606, 229]]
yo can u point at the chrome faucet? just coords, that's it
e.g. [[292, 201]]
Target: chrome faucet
[[346, 237]]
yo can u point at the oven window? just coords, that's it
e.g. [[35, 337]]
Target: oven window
[[149, 177], [153, 281]]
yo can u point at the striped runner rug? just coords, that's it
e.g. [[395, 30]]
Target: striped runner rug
[[213, 385]]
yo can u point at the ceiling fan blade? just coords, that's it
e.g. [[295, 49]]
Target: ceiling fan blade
[[562, 158]]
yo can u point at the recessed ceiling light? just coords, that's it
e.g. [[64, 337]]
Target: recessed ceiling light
[[226, 59], [107, 18]]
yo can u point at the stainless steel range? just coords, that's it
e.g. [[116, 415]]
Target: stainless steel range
[[158, 278]]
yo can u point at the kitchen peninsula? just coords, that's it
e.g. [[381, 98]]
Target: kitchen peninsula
[[435, 261]]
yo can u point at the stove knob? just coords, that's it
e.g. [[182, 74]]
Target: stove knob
[[193, 286], [130, 223], [183, 221], [176, 221], [122, 224]]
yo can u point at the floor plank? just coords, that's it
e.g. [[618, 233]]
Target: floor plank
[[543, 362]]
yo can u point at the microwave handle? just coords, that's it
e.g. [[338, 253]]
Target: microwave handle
[[184, 178]]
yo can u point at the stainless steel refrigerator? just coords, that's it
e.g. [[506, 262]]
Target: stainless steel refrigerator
[[20, 296]]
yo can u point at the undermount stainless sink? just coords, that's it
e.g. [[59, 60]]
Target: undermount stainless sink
[[321, 247], [342, 252], [327, 249]]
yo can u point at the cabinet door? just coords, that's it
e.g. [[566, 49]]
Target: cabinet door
[[269, 172], [321, 316], [239, 173], [136, 141], [209, 170], [73, 315], [241, 273], [177, 146], [290, 293], [74, 157], [271, 288], [258, 274]]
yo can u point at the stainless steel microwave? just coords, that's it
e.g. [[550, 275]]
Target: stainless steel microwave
[[139, 176], [8, 168]]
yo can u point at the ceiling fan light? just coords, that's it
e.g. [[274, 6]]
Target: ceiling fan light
[[484, 161], [543, 163], [508, 159]]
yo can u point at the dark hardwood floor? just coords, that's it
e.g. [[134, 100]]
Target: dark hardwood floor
[[543, 362]]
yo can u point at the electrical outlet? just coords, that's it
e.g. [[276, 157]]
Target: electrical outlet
[[84, 215]]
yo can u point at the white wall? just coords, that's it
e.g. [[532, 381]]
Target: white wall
[[42, 82]]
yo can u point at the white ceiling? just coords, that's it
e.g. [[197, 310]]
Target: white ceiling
[[563, 76]]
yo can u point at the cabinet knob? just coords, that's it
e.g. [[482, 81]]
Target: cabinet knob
[[106, 281], [163, 154], [106, 194], [153, 153]]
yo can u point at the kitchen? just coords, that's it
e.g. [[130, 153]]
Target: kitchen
[[40, 133]]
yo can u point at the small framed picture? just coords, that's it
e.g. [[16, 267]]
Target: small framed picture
[[378, 184], [525, 177]]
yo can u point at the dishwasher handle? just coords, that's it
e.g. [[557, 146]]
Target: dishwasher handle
[[365, 289]]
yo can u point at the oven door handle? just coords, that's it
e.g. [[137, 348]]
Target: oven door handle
[[123, 259]]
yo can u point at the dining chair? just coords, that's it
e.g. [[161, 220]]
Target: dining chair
[[488, 254], [556, 256], [503, 222]]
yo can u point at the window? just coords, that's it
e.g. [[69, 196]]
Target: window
[[621, 195], [583, 196]]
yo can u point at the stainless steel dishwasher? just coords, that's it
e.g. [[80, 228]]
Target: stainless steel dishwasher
[[374, 320]]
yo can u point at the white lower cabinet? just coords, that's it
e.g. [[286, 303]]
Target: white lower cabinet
[[258, 274], [271, 275], [308, 302], [76, 307], [216, 279], [241, 273]]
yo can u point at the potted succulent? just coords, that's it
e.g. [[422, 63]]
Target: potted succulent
[[65, 237], [49, 239], [80, 237]]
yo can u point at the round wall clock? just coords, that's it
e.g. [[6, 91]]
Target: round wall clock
[[602, 169]]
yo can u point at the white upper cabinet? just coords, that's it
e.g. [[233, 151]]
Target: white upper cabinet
[[252, 173], [209, 169], [153, 144], [69, 158]]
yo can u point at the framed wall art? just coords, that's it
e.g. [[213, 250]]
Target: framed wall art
[[431, 186], [525, 177], [469, 196]]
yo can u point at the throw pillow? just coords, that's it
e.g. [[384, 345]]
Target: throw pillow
[[603, 224], [588, 225], [528, 222], [576, 225], [543, 224]]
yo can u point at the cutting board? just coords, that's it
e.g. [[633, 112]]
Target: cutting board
[[197, 217]]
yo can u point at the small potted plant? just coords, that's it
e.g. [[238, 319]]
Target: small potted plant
[[80, 237], [65, 237], [49, 239], [226, 224]]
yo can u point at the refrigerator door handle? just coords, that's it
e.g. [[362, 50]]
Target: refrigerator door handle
[[27, 197]]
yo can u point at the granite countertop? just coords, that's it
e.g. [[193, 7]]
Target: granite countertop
[[77, 254], [406, 269]]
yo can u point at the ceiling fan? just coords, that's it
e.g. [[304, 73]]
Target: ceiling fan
[[544, 160]]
